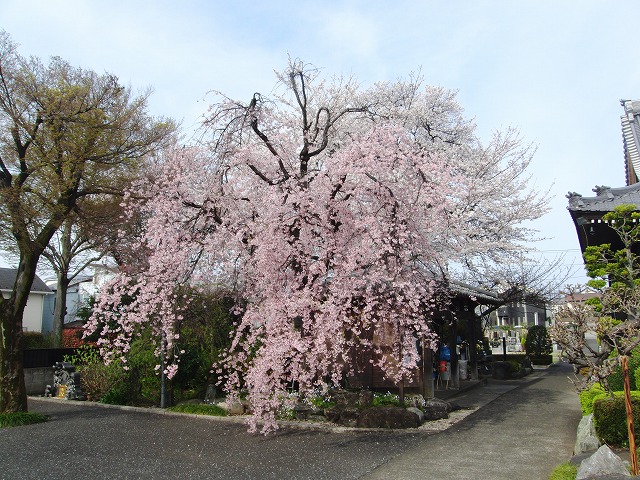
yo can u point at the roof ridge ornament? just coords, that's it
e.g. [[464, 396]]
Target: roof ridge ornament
[[575, 199]]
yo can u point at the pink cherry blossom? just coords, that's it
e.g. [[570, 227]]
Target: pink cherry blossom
[[336, 214]]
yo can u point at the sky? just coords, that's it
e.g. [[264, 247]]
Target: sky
[[554, 69]]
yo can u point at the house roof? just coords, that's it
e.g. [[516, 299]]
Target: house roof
[[605, 200], [8, 278]]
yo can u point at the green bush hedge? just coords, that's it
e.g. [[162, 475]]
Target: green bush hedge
[[615, 379], [588, 396], [32, 340], [538, 341], [542, 359], [610, 418]]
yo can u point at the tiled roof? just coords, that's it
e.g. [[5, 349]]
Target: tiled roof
[[476, 292], [8, 278], [631, 133], [606, 198]]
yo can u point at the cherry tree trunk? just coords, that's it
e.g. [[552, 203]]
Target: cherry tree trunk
[[60, 309], [13, 394]]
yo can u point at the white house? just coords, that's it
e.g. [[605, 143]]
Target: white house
[[80, 290], [32, 318]]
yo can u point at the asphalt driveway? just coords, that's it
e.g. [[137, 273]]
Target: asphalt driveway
[[521, 432]]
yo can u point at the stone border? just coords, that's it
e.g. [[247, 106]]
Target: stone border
[[427, 428]]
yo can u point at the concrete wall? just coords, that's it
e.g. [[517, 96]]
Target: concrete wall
[[36, 379]]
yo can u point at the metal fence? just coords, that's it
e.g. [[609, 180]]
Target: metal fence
[[45, 357]]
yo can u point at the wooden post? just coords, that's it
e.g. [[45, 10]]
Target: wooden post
[[453, 336], [627, 403], [427, 372]]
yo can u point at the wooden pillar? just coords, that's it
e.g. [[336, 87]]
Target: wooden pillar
[[453, 335], [473, 351], [428, 387]]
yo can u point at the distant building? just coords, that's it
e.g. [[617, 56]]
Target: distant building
[[79, 292], [512, 320], [33, 313]]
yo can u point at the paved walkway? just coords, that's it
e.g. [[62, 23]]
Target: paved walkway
[[522, 431]]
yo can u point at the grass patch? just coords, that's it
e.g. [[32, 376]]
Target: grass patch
[[16, 419], [386, 400], [200, 409], [564, 471]]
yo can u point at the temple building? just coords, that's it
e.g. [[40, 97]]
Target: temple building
[[587, 212]]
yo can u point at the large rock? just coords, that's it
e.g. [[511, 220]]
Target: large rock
[[414, 400], [342, 415], [233, 407], [603, 462], [347, 406], [435, 409], [586, 438], [387, 417], [358, 399], [418, 412]]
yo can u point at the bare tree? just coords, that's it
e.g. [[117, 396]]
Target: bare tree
[[66, 134]]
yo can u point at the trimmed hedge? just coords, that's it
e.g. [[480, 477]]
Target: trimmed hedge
[[538, 342], [542, 359], [615, 379], [588, 396], [610, 418]]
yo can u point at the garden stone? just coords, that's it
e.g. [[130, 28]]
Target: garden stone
[[345, 398], [233, 407], [603, 462], [66, 382], [586, 438], [342, 415], [414, 400], [302, 412], [387, 417], [210, 396], [418, 412], [435, 409]]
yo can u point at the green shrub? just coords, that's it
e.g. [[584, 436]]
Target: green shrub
[[321, 402], [200, 409], [538, 341], [636, 375], [514, 365], [564, 471], [96, 378], [588, 396], [119, 394], [16, 419], [33, 340], [610, 418], [615, 380]]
